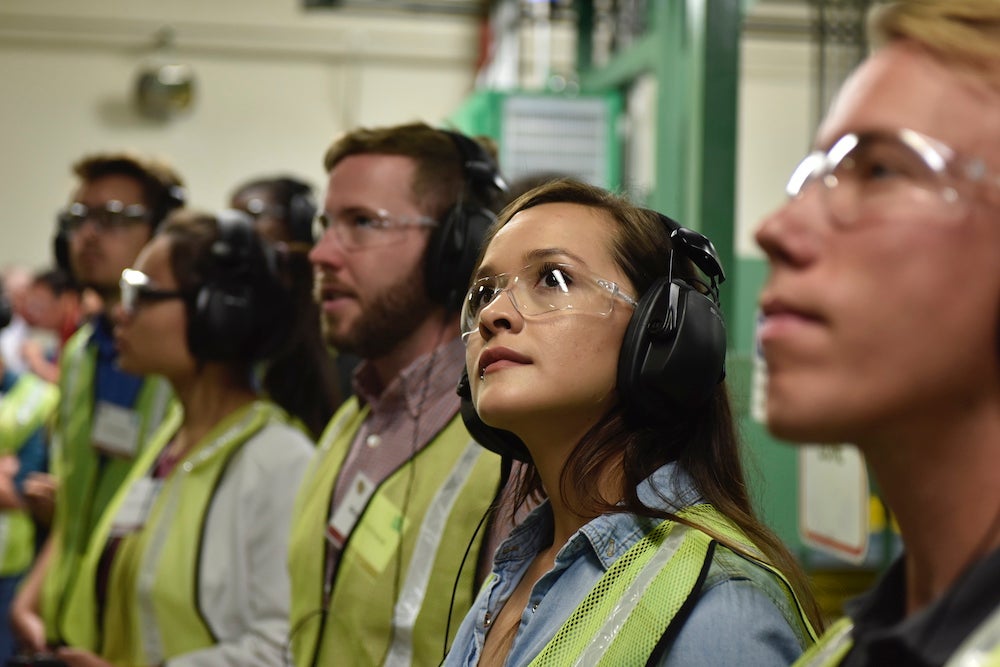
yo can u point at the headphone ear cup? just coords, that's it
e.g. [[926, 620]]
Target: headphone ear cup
[[241, 312], [222, 321], [301, 212], [174, 198], [497, 440], [451, 254], [6, 310], [674, 350], [454, 245], [60, 251]]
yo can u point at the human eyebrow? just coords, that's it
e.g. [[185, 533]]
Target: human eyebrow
[[367, 211], [483, 271], [536, 255], [549, 253]]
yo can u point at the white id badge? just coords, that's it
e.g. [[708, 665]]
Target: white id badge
[[343, 520], [132, 513], [115, 430]]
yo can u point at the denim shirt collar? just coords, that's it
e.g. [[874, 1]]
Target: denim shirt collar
[[608, 536]]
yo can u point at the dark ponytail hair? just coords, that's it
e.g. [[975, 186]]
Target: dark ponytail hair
[[292, 371]]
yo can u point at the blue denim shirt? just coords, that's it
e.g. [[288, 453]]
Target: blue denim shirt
[[742, 616]]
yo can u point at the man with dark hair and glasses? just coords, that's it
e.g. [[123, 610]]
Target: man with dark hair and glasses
[[104, 414], [398, 487], [881, 323]]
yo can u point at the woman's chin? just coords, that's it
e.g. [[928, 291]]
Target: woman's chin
[[131, 365]]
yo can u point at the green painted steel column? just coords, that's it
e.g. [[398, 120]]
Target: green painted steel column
[[691, 47]]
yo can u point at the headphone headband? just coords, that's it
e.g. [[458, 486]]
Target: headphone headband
[[241, 312], [454, 244], [482, 176]]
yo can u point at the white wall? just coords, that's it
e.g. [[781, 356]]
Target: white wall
[[776, 123], [275, 85]]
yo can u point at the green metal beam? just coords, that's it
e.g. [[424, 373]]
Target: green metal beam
[[719, 120], [691, 48]]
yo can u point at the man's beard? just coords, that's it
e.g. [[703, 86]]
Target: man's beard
[[388, 319]]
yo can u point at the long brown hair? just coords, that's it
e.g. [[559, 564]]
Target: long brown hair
[[276, 319], [703, 440]]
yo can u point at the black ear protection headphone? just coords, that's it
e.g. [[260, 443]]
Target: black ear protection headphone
[[454, 244], [6, 310], [300, 210], [174, 197], [673, 353], [239, 313], [674, 350]]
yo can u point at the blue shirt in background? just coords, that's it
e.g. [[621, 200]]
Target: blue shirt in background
[[111, 383]]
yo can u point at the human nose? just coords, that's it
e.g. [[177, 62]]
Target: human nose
[[118, 314], [501, 313], [328, 250], [792, 234], [88, 227]]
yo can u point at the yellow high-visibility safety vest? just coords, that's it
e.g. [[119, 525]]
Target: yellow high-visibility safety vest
[[23, 410], [152, 612], [86, 484], [444, 492], [980, 649], [622, 619]]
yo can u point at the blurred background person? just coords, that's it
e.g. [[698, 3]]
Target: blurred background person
[[27, 404], [54, 305], [881, 323], [105, 414], [315, 378], [188, 564], [16, 283]]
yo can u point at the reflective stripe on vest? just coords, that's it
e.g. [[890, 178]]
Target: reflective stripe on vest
[[454, 484], [23, 410], [630, 608], [831, 648], [411, 597], [982, 647]]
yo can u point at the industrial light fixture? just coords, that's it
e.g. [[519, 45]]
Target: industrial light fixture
[[164, 87]]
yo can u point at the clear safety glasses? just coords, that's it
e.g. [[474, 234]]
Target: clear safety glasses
[[900, 173], [112, 216], [356, 229], [539, 288], [137, 289]]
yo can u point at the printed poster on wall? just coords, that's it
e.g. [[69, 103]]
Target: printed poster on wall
[[833, 501]]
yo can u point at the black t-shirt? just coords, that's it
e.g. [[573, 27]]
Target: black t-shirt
[[883, 636]]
